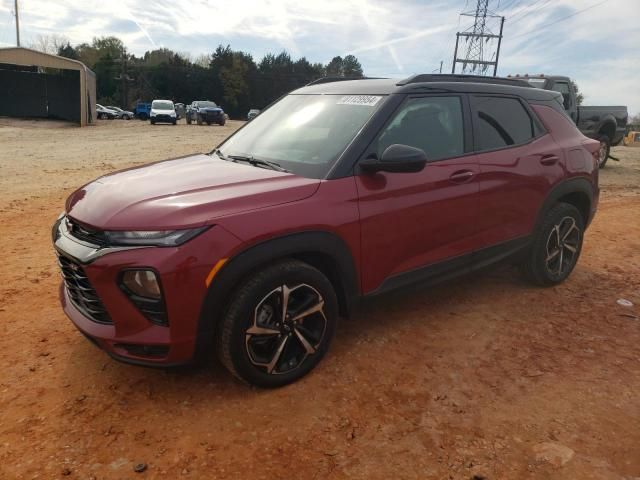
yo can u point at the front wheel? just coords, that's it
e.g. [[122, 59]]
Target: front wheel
[[278, 325], [221, 123], [603, 152], [556, 246]]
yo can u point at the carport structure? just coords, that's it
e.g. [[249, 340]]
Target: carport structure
[[36, 84]]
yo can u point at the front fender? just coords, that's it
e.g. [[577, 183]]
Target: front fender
[[261, 254]]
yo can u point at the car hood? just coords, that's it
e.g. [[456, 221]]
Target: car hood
[[182, 193]]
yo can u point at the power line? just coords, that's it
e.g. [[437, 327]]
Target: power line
[[523, 12], [526, 14], [537, 29]]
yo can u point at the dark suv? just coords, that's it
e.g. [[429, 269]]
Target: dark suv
[[205, 111], [336, 192]]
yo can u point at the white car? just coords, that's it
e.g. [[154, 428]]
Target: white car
[[163, 111]]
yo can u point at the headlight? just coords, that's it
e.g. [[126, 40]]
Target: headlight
[[157, 238]]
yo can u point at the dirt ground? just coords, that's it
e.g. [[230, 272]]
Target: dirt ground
[[486, 377]]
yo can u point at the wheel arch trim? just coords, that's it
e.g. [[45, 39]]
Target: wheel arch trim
[[580, 186], [294, 245]]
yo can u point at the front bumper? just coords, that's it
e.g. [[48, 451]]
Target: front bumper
[[129, 335], [163, 119], [211, 116]]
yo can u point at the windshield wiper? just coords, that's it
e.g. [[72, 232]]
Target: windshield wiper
[[217, 152], [257, 162]]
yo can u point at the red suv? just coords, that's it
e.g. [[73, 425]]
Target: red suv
[[339, 191]]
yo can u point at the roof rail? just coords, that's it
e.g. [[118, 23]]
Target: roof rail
[[330, 79], [425, 78]]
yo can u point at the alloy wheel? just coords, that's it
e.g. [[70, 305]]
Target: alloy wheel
[[562, 246], [288, 325]]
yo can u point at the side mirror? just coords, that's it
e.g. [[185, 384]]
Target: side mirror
[[397, 158]]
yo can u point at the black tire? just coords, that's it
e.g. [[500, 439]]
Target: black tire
[[100, 116], [253, 356], [556, 246], [221, 123], [188, 120], [198, 119], [605, 148], [208, 123], [175, 122], [153, 122]]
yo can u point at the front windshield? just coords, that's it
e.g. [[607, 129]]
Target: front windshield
[[207, 104], [304, 133], [162, 105]]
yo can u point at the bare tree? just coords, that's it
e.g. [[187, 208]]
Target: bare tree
[[49, 43]]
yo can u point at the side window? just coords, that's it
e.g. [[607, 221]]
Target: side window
[[563, 88], [501, 122], [433, 124]]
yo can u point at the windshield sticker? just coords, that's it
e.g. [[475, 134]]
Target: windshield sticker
[[365, 100]]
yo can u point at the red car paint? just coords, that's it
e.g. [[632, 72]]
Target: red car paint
[[391, 222]]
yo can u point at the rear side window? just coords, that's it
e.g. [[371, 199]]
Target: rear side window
[[433, 124], [501, 122]]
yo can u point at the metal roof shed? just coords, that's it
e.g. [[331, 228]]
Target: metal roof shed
[[36, 84]]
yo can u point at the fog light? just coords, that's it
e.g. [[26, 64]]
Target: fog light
[[142, 282]]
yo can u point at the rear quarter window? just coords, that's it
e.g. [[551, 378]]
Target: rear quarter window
[[501, 122]]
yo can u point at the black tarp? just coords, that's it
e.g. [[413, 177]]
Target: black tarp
[[44, 95]]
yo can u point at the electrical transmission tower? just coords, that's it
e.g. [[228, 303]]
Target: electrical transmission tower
[[479, 41]]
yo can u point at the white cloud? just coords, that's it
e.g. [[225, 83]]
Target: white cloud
[[391, 38]]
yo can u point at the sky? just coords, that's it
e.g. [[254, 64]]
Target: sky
[[593, 41]]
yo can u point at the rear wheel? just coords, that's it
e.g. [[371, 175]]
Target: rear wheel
[[556, 246], [603, 152], [198, 119], [278, 325], [188, 120]]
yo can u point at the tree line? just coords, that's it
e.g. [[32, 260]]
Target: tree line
[[231, 78]]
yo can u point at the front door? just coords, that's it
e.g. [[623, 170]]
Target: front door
[[414, 220]]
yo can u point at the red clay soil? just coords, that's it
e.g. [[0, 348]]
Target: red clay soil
[[485, 377]]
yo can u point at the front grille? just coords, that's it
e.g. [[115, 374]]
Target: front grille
[[85, 233], [81, 293]]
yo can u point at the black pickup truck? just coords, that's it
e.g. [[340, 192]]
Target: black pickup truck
[[605, 124]]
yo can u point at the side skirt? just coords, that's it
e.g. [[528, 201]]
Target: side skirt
[[454, 267]]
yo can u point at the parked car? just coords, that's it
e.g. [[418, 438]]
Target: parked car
[[205, 111], [122, 114], [163, 111], [104, 112], [605, 124], [180, 110], [142, 110], [338, 192], [253, 113]]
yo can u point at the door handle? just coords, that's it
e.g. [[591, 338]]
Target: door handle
[[549, 160], [461, 176]]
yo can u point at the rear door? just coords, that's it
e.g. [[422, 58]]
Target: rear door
[[414, 220], [516, 158]]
